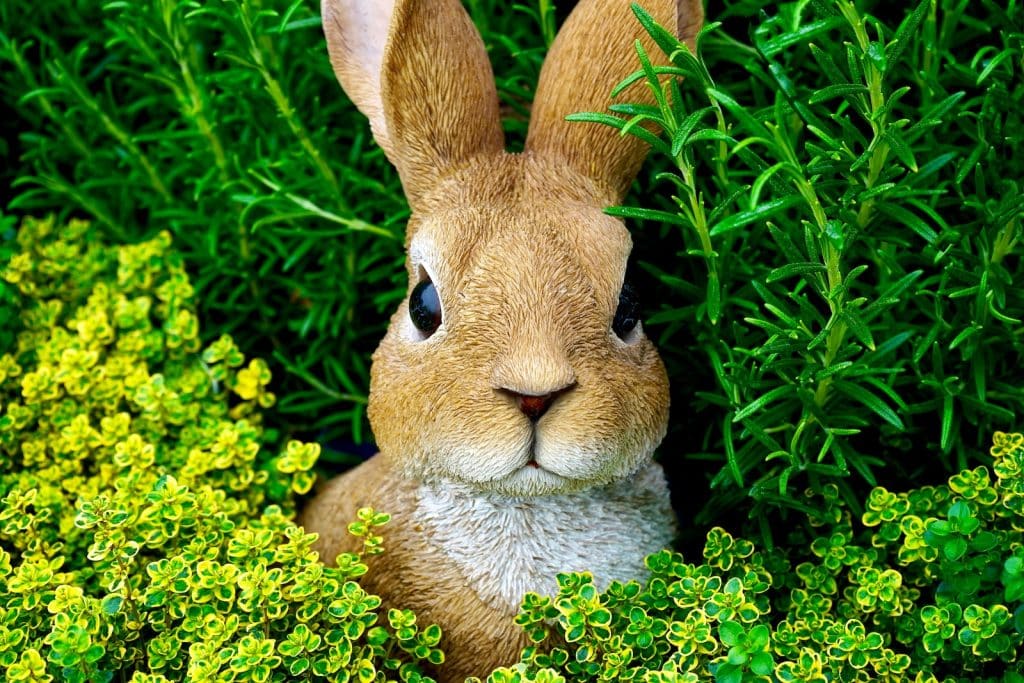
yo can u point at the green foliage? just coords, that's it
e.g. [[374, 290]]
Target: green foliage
[[222, 123], [145, 533], [144, 530], [844, 193], [833, 213], [927, 586]]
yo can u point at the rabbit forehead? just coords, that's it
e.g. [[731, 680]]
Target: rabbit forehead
[[519, 237]]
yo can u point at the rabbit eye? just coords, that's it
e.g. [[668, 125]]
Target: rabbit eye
[[425, 307], [627, 315]]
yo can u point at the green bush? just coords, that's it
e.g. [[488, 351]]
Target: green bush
[[928, 585], [144, 531], [844, 192], [222, 123], [838, 281]]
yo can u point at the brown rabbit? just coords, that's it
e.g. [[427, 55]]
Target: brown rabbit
[[515, 398]]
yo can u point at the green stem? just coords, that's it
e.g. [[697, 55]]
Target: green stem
[[56, 183], [115, 130], [26, 73], [546, 10], [196, 108], [280, 98], [700, 222], [876, 97], [723, 149], [926, 74]]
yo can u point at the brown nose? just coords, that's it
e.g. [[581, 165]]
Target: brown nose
[[533, 406]]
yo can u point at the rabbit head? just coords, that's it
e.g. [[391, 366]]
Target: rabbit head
[[516, 363]]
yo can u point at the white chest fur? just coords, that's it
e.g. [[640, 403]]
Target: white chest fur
[[506, 547]]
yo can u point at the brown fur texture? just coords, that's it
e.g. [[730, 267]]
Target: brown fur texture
[[414, 574], [528, 269]]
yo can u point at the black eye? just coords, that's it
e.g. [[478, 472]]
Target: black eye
[[627, 315], [425, 308]]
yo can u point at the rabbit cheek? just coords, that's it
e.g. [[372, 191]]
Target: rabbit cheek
[[434, 416], [611, 427]]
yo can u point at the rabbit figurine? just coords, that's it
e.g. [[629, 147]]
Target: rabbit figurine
[[515, 399]]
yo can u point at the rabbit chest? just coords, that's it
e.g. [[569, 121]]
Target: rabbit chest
[[505, 547]]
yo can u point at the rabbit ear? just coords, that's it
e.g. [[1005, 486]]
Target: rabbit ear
[[591, 55], [356, 35], [419, 70]]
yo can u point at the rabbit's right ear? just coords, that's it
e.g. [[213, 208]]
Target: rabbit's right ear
[[419, 71]]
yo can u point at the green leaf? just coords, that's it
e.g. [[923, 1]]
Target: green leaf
[[954, 548], [791, 269], [708, 134], [650, 138], [828, 65], [728, 673], [871, 401], [906, 31], [731, 633], [753, 126], [762, 664], [730, 452], [850, 316], [899, 146], [759, 213], [665, 41], [964, 335], [910, 220], [804, 34], [931, 118], [837, 90], [945, 442], [760, 402], [638, 213], [111, 604], [875, 54], [786, 244]]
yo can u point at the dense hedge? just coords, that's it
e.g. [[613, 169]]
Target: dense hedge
[[844, 194], [835, 290], [146, 533], [927, 585]]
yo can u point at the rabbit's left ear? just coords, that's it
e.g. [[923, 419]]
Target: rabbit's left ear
[[419, 70]]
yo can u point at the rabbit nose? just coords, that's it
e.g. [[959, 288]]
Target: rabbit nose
[[533, 374], [534, 406]]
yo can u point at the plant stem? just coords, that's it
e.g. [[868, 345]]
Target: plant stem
[[546, 12], [70, 133], [58, 184], [116, 130], [280, 98], [194, 107]]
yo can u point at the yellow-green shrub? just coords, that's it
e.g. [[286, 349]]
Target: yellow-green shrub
[[926, 586], [144, 532]]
